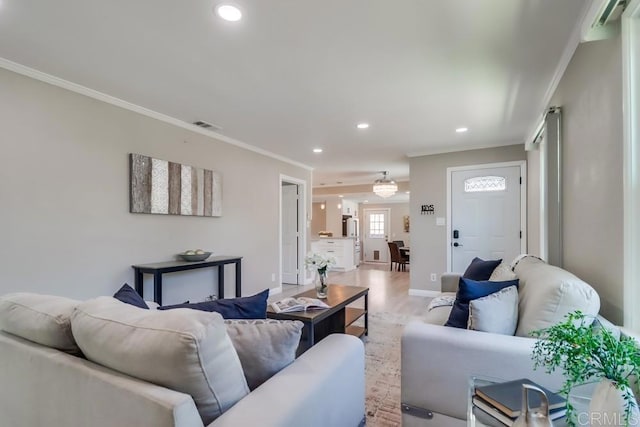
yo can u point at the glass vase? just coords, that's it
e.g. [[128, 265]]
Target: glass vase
[[321, 284]]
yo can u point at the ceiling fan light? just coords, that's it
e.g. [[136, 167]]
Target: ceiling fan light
[[385, 187]]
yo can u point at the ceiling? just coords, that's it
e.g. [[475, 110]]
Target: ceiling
[[293, 75]]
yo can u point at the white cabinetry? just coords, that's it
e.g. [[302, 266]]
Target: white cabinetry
[[349, 208], [340, 249]]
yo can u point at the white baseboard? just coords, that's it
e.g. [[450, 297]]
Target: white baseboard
[[423, 293]]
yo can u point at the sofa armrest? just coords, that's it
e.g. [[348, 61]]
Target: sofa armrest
[[323, 387], [438, 361], [449, 282]]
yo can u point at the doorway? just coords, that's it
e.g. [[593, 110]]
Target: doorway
[[376, 235], [292, 235], [487, 213]]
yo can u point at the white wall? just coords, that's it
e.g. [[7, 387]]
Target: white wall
[[590, 94], [318, 219], [429, 186], [64, 195]]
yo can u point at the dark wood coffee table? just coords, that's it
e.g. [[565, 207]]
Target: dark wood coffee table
[[337, 319]]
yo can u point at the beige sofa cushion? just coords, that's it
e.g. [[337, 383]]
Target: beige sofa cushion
[[44, 319], [548, 293], [182, 349], [265, 346]]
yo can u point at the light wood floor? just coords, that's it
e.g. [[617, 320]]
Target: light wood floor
[[388, 290]]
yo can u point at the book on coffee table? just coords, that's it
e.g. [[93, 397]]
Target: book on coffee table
[[507, 397], [289, 305]]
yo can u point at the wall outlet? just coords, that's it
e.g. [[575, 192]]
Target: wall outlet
[[434, 277], [273, 277]]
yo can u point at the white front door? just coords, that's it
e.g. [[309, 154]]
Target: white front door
[[485, 215], [290, 234], [376, 235]]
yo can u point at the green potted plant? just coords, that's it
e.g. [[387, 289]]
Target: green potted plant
[[586, 351]]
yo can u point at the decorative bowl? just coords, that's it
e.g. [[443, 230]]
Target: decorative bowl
[[195, 257]]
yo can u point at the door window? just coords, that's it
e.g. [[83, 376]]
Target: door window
[[485, 183], [376, 226]]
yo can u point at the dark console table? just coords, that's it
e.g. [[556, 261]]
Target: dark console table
[[159, 268]]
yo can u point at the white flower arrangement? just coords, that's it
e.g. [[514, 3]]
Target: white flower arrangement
[[319, 262]]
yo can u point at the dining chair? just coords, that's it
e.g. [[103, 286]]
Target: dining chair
[[396, 257]]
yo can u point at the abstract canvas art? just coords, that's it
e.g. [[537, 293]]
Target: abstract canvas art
[[169, 188]]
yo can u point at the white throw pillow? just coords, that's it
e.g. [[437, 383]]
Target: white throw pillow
[[502, 273], [548, 294], [265, 346], [44, 319], [496, 313], [182, 349]]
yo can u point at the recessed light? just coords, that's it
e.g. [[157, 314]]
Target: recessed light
[[408, 192], [362, 125], [461, 130], [341, 196], [317, 150], [229, 12]]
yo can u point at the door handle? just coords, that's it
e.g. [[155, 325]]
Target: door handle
[[456, 244]]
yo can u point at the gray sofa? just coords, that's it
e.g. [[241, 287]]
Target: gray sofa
[[44, 386], [438, 361]]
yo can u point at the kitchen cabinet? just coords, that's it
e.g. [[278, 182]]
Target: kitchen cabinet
[[340, 249], [349, 208]]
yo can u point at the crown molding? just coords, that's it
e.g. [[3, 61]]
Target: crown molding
[[100, 96], [441, 150]]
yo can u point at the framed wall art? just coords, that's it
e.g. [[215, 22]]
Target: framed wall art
[[169, 188]]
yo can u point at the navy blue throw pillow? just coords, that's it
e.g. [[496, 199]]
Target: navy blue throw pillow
[[469, 290], [128, 295], [253, 307], [480, 269]]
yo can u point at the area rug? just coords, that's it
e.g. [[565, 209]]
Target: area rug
[[382, 368]]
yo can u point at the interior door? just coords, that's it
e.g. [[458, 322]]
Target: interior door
[[376, 235], [485, 215], [290, 235]]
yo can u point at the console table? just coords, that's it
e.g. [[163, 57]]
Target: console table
[[160, 268]]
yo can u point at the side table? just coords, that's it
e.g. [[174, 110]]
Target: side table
[[579, 398]]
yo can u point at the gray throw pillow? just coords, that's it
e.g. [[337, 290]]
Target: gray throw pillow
[[185, 350], [264, 346], [496, 313]]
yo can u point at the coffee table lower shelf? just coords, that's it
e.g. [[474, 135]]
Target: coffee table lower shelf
[[351, 315]]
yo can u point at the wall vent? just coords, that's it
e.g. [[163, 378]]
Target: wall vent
[[205, 125]]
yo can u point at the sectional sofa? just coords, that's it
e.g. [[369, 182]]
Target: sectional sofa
[[438, 361], [43, 384]]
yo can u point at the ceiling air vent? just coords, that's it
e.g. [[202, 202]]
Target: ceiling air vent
[[205, 125]]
